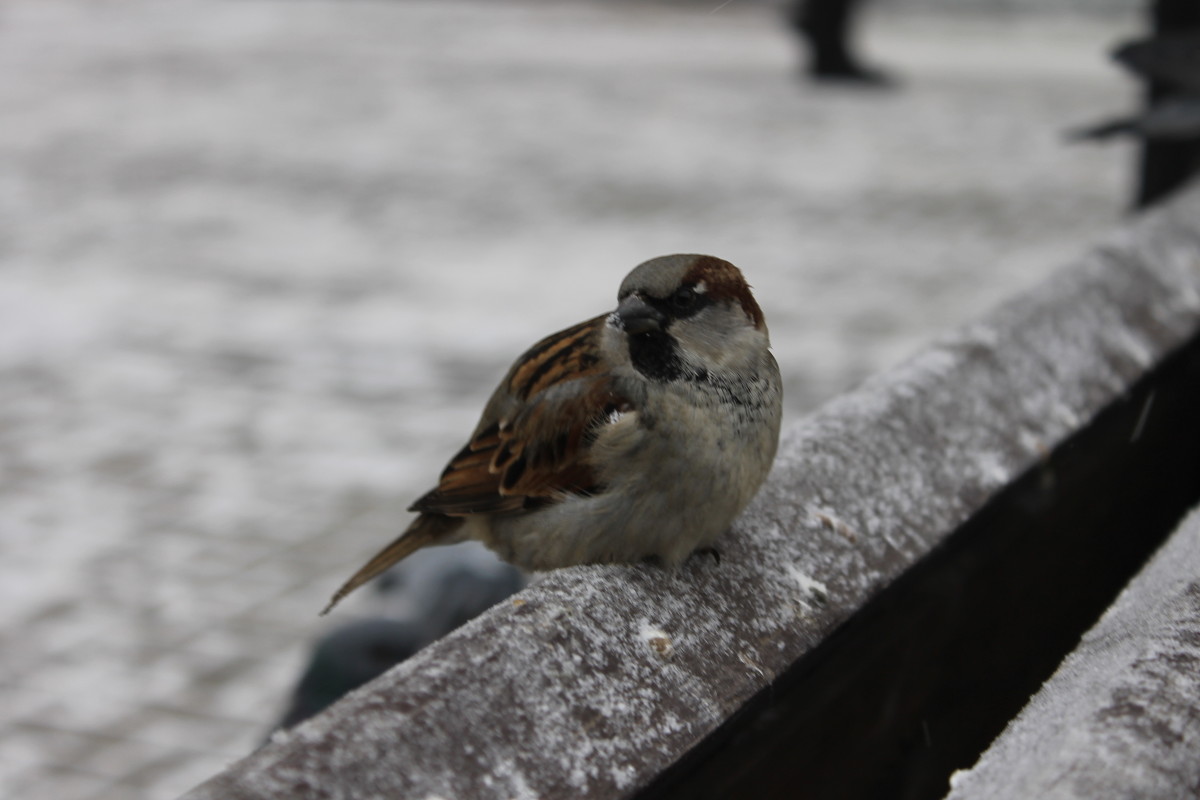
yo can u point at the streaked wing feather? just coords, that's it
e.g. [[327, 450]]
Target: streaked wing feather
[[545, 451], [531, 444]]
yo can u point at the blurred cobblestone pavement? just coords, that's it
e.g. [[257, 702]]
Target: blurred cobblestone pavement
[[261, 262]]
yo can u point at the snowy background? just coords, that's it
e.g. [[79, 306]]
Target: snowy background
[[261, 263]]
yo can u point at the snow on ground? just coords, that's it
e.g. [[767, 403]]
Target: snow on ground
[[261, 262]]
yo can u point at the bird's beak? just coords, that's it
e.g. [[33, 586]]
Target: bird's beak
[[637, 316]]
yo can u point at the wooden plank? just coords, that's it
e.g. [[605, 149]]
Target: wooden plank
[[594, 680], [1121, 717]]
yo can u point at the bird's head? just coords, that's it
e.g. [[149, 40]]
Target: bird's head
[[687, 314]]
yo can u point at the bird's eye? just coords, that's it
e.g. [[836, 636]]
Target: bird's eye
[[684, 298]]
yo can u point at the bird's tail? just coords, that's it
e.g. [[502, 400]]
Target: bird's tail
[[425, 530]]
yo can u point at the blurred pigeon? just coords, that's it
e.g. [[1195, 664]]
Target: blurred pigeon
[[348, 657], [415, 603], [445, 586]]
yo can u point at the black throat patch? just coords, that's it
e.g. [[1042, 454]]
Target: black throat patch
[[655, 355]]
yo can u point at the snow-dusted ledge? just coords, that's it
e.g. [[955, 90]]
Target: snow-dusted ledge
[[593, 681], [1121, 718]]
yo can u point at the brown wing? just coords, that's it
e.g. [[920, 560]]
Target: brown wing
[[531, 444]]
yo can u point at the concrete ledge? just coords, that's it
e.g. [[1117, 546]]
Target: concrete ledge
[[595, 681], [1121, 718]]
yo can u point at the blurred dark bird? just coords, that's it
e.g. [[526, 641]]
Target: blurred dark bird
[[415, 603], [446, 587], [348, 657], [1173, 62]]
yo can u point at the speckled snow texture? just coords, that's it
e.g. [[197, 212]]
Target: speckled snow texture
[[1120, 718], [557, 693]]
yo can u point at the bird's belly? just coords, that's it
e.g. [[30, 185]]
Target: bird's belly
[[683, 494]]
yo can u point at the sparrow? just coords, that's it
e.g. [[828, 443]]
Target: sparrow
[[637, 434]]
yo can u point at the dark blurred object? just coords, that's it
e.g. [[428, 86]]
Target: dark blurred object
[[825, 27], [444, 587], [1172, 61], [1173, 119], [1168, 165], [347, 658], [416, 603], [1169, 63]]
